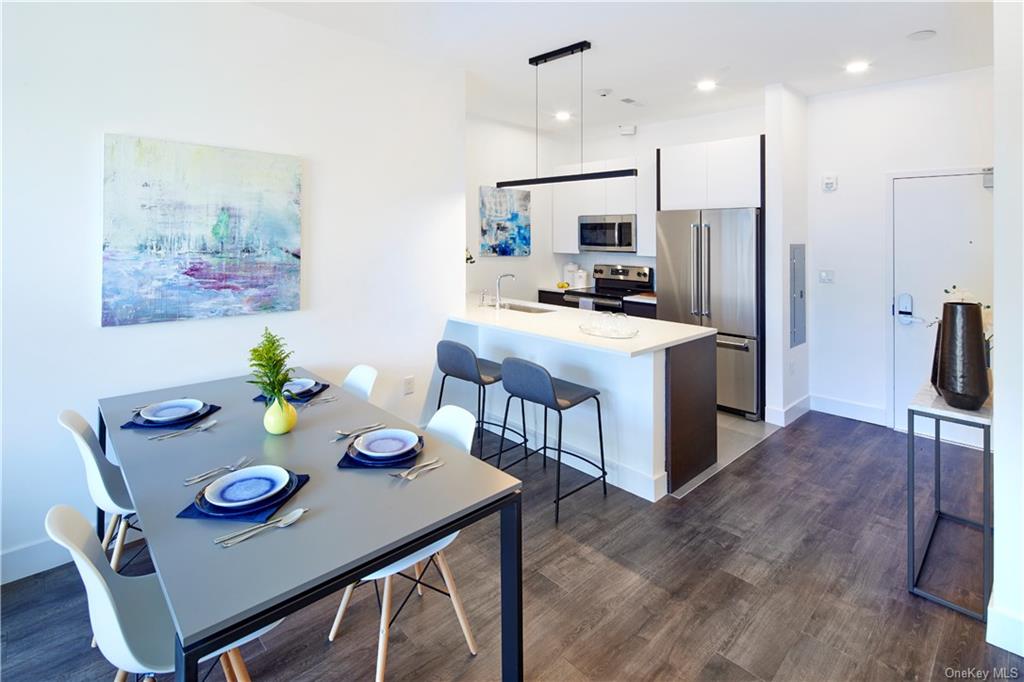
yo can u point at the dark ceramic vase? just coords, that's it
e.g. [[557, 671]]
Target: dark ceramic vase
[[936, 355], [962, 374]]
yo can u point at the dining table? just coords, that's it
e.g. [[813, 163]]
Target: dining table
[[359, 520]]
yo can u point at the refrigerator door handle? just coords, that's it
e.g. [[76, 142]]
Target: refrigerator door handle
[[694, 267], [705, 289]]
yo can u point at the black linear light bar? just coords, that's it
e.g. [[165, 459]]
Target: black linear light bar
[[599, 175], [559, 53]]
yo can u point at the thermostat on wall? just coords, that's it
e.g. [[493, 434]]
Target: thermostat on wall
[[829, 183]]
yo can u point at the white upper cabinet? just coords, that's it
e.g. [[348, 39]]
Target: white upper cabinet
[[566, 202], [734, 173], [684, 176], [721, 174], [620, 195]]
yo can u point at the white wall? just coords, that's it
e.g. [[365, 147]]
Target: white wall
[[1006, 606], [785, 182], [861, 135], [498, 151], [383, 209]]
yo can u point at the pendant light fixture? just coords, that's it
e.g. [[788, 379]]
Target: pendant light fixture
[[536, 62]]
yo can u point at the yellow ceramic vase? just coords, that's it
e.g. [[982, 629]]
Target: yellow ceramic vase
[[280, 417]]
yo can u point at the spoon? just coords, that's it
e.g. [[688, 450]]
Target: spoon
[[283, 522]]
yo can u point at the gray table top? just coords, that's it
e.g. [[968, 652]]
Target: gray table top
[[355, 515]]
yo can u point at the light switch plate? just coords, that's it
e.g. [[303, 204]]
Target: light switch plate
[[829, 183], [826, 276], [409, 385]]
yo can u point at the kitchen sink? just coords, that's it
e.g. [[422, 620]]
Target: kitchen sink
[[525, 308]]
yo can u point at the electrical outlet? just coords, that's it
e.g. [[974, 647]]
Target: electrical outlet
[[409, 385]]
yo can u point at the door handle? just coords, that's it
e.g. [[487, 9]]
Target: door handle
[[694, 267], [732, 345], [570, 299], [705, 307]]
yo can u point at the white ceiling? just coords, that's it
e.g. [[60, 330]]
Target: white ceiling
[[656, 52]]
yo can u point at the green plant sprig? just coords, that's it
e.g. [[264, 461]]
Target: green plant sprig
[[268, 361]]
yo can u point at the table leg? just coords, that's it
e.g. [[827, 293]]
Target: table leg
[[937, 445], [910, 500], [186, 665], [512, 590], [101, 432]]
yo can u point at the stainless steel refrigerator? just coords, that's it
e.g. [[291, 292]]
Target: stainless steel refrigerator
[[708, 274]]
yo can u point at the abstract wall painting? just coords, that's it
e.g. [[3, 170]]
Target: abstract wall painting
[[504, 222], [192, 231]]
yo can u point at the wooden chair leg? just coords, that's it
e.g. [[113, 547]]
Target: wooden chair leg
[[109, 535], [225, 664], [121, 676], [238, 665], [419, 574], [460, 613], [115, 560], [341, 612], [385, 626]]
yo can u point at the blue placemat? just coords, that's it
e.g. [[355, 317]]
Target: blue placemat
[[192, 512], [139, 422], [317, 389]]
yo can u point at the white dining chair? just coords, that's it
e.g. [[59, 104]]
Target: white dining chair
[[128, 614], [105, 482], [457, 426], [360, 381]]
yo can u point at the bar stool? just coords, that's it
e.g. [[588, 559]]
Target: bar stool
[[529, 381], [458, 360]]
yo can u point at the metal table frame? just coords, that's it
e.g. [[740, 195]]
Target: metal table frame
[[510, 506], [985, 525]]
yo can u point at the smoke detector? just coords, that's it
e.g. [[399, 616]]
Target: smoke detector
[[627, 130], [603, 92]]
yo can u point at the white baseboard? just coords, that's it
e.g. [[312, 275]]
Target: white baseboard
[[873, 414], [1005, 627], [784, 417], [32, 557]]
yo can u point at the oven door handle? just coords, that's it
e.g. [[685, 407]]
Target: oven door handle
[[570, 299], [609, 302]]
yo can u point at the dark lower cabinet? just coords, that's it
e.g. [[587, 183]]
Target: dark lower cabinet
[[553, 298], [635, 309]]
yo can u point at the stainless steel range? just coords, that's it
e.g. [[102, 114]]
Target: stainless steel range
[[612, 283]]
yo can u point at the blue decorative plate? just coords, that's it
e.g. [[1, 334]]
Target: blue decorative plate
[[299, 386], [171, 410], [393, 460], [204, 505], [386, 443], [247, 486]]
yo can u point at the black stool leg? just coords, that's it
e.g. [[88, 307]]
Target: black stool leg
[[483, 415], [440, 394], [522, 409], [504, 425], [544, 450], [600, 441], [558, 469]]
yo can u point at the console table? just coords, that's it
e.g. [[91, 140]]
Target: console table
[[930, 405]]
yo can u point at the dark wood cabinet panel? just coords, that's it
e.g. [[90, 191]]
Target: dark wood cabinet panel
[[553, 298], [640, 309], [691, 418]]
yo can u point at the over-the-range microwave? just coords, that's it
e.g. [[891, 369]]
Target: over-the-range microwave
[[607, 233]]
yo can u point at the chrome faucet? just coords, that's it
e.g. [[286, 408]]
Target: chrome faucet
[[497, 286]]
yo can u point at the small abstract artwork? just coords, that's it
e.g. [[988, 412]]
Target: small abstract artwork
[[504, 222], [192, 231]]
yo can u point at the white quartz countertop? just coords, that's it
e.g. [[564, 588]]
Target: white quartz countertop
[[563, 325], [642, 298]]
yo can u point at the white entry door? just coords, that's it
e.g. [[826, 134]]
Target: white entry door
[[942, 235]]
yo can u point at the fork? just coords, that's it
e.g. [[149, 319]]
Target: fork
[[195, 428], [413, 471], [242, 462], [356, 432], [423, 470], [319, 401]]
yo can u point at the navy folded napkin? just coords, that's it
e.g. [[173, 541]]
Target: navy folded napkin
[[317, 389], [139, 422], [349, 462], [193, 512]]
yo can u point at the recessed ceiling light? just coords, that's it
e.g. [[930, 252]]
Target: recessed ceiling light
[[707, 85], [926, 34], [857, 67], [563, 116]]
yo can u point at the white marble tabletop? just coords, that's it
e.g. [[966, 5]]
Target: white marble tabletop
[[927, 401]]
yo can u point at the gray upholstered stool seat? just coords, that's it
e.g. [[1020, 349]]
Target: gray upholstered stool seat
[[458, 360], [529, 381]]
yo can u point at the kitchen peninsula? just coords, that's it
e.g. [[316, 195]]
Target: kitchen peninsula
[[657, 389]]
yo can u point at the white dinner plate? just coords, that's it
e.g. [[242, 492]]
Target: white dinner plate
[[386, 442], [247, 486], [171, 410], [299, 386]]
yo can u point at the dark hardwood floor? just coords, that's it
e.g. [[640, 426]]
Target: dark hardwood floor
[[788, 565]]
